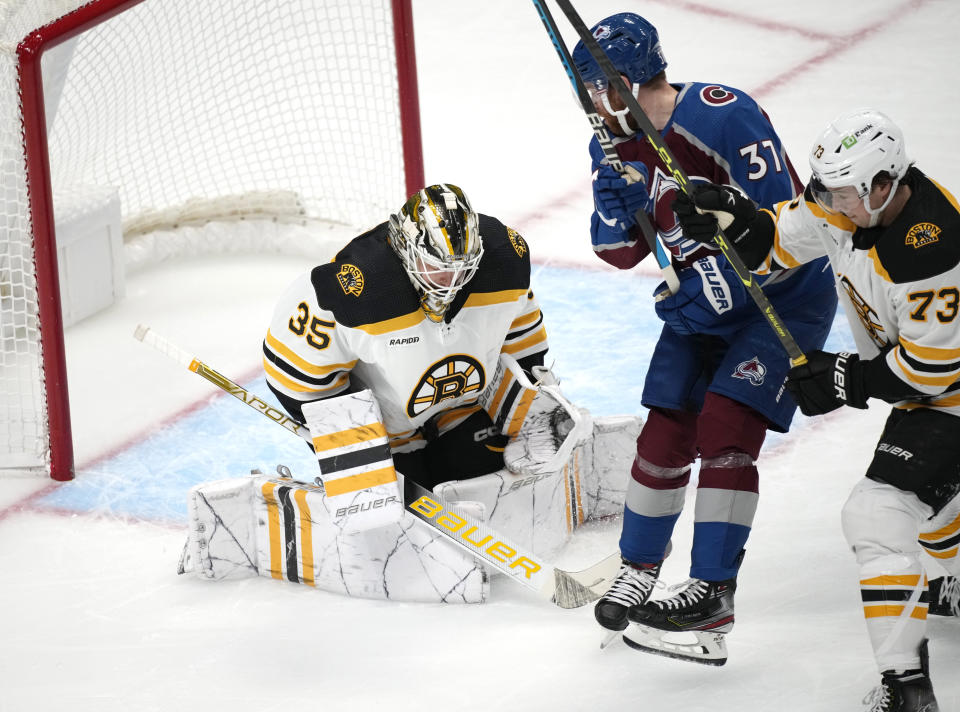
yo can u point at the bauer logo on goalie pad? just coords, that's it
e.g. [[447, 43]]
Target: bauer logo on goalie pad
[[356, 466]]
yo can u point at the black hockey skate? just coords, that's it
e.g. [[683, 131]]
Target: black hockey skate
[[690, 625], [944, 596], [909, 691], [632, 587]]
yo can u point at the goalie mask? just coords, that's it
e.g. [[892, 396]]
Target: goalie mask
[[855, 148], [437, 238]]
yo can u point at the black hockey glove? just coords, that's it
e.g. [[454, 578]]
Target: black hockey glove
[[826, 382], [734, 211]]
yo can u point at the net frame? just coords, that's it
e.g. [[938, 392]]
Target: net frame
[[70, 22]]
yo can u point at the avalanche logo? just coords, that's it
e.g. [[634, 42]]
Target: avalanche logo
[[448, 379], [602, 32], [752, 371], [714, 95]]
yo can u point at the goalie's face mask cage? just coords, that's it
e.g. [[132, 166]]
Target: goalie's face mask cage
[[437, 237], [853, 150], [633, 46]]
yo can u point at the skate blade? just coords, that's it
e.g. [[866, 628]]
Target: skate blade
[[701, 647], [610, 637]]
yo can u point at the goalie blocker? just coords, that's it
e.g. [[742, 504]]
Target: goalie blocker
[[361, 542]]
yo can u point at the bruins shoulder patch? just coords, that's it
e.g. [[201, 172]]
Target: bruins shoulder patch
[[519, 244], [923, 233], [351, 279]]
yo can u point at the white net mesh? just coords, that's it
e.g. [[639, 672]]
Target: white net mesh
[[191, 111]]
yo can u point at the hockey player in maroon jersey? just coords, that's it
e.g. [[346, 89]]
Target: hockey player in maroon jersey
[[893, 238], [716, 376]]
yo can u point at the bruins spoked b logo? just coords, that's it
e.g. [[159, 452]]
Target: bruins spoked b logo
[[447, 379]]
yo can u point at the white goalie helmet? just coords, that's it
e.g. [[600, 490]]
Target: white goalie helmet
[[851, 152], [436, 235]]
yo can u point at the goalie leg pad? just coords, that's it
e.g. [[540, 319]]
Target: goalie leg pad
[[283, 529]]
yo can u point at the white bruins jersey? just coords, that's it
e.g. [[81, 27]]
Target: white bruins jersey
[[900, 284], [357, 323]]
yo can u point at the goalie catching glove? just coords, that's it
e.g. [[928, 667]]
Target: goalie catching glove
[[543, 426]]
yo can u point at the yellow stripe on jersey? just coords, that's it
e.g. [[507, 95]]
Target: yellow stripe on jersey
[[482, 299], [910, 580], [878, 266], [342, 438], [782, 257], [525, 320], [396, 324], [284, 380], [364, 480], [943, 532], [912, 376], [301, 363], [946, 194], [459, 413], [931, 353], [537, 337], [945, 402]]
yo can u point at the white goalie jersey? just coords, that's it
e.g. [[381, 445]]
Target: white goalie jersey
[[900, 285], [357, 323]]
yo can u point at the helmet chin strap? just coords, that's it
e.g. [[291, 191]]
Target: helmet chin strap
[[621, 115], [876, 214]]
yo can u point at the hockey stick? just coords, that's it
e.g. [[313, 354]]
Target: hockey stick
[[606, 144], [797, 357], [567, 589]]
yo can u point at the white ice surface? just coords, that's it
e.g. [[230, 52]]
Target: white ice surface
[[94, 616]]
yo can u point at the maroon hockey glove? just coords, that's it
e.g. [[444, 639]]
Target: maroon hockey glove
[[826, 382]]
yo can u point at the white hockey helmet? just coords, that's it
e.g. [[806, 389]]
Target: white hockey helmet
[[852, 151], [436, 235]]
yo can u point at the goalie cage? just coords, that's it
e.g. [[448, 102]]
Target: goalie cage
[[194, 111]]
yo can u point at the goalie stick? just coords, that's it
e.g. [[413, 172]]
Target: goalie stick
[[797, 357], [566, 589], [606, 144]]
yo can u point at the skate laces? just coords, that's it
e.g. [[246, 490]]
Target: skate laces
[[950, 594], [694, 590], [633, 586]]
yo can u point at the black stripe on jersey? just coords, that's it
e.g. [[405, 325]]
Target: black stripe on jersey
[[297, 373], [358, 458], [525, 330], [928, 367], [887, 594], [942, 545], [289, 534]]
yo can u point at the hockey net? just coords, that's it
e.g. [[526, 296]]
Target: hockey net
[[184, 112]]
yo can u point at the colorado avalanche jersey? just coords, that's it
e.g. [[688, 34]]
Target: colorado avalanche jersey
[[718, 134], [357, 323], [900, 285]]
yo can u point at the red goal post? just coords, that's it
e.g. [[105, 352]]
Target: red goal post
[[181, 111]]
